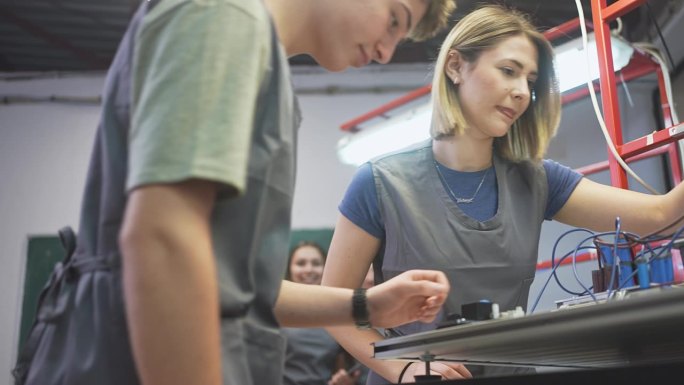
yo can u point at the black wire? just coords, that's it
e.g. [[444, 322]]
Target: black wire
[[660, 34], [654, 235]]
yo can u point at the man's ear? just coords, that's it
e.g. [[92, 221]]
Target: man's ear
[[453, 66]]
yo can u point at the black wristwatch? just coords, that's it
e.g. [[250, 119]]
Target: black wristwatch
[[360, 309]]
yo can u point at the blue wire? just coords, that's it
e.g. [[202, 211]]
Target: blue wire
[[553, 254], [586, 290], [574, 254], [652, 251], [616, 258], [617, 233], [536, 302], [662, 249]]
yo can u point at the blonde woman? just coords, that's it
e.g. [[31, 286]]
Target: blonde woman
[[471, 201]]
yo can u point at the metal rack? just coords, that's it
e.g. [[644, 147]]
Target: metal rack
[[642, 147]]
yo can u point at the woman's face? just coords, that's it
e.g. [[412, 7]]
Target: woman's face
[[306, 266], [495, 90]]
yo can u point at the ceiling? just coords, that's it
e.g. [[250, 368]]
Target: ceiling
[[82, 35]]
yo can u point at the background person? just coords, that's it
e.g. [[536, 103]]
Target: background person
[[311, 354]]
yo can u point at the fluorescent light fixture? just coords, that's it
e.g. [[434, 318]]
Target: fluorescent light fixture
[[571, 60], [412, 126], [399, 131]]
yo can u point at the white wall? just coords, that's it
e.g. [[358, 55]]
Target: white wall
[[43, 158], [327, 101], [44, 150]]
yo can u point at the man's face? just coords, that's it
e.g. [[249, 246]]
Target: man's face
[[361, 31]]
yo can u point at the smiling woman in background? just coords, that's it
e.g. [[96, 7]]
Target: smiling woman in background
[[312, 356]]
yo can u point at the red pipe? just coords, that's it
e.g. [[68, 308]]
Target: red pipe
[[602, 166], [584, 257], [619, 8], [352, 125]]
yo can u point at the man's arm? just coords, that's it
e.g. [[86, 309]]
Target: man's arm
[[415, 295], [170, 289]]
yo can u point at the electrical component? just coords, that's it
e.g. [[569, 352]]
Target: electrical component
[[642, 273], [477, 311], [518, 312]]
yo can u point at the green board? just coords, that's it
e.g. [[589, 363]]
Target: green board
[[320, 236], [43, 253]]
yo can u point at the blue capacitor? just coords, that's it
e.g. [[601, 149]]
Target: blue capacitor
[[642, 273], [624, 254]]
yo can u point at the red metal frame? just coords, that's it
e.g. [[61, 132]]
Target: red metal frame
[[602, 16], [583, 257]]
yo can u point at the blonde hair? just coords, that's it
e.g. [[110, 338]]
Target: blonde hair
[[477, 32], [436, 18]]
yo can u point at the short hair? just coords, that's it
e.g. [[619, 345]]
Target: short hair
[[436, 18], [480, 30], [298, 246]]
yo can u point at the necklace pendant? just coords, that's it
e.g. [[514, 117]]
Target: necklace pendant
[[457, 199]]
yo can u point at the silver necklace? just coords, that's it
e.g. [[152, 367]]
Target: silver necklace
[[457, 199]]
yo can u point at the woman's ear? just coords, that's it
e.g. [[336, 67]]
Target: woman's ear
[[452, 67]]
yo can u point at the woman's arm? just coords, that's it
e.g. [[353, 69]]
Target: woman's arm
[[351, 252], [350, 255], [595, 206]]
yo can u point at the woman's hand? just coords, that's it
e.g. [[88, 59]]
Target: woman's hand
[[448, 371], [342, 377]]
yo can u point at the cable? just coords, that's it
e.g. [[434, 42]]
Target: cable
[[618, 30], [574, 255], [616, 258], [594, 236], [599, 115], [536, 302], [630, 238], [653, 51], [553, 254], [660, 34], [664, 228], [666, 247]]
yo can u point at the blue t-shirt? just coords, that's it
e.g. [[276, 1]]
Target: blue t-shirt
[[360, 202]]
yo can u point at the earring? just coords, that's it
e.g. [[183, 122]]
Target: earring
[[455, 80]]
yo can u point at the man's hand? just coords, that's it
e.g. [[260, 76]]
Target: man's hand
[[410, 296]]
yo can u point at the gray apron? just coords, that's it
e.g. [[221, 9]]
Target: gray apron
[[425, 229]]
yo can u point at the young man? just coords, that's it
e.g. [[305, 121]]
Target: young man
[[188, 198]]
